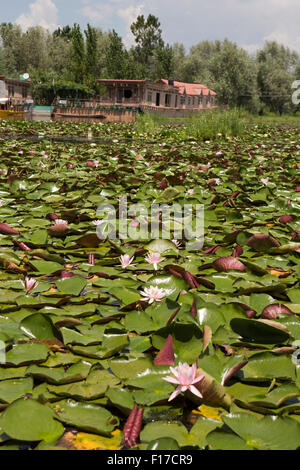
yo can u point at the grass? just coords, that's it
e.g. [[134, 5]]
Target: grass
[[212, 124], [200, 126]]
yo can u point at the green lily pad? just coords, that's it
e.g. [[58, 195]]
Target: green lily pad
[[85, 416], [28, 420], [23, 354], [267, 433]]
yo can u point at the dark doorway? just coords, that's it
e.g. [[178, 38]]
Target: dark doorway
[[127, 93], [157, 99]]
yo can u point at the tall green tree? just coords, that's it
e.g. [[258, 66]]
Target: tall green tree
[[164, 62], [78, 63], [116, 56], [13, 49], [147, 34], [232, 75], [91, 57], [276, 73]]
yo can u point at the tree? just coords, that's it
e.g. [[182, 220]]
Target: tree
[[91, 57], [164, 62], [276, 73], [232, 75], [78, 54], [115, 56], [13, 49], [59, 56], [65, 32], [147, 34], [35, 48]]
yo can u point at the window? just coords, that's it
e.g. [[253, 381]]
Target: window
[[193, 100], [149, 97], [11, 90], [167, 100], [199, 100], [182, 100], [189, 100]]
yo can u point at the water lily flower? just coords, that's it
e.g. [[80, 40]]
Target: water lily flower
[[264, 181], [185, 377], [29, 283], [153, 294], [126, 260], [154, 258], [134, 223], [177, 243], [60, 222], [190, 192], [92, 164]]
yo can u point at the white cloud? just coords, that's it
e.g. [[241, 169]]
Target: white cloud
[[128, 16], [42, 13], [111, 14]]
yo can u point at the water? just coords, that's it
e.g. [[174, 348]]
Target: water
[[70, 139]]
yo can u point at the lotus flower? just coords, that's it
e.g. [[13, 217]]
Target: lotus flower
[[185, 377], [177, 243], [96, 222], [134, 223], [29, 283], [189, 192], [153, 294], [92, 164], [272, 311], [154, 258], [60, 222], [228, 262], [59, 228], [126, 260]]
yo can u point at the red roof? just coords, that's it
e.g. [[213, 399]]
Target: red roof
[[189, 88]]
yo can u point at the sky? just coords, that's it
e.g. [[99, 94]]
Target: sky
[[249, 23]]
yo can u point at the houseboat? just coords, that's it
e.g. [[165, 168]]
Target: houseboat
[[121, 100], [15, 98]]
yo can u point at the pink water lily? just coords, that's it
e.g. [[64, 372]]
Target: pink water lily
[[264, 181], [154, 258], [190, 192], [126, 260], [177, 243], [185, 377], [60, 222], [92, 164], [29, 283], [153, 294]]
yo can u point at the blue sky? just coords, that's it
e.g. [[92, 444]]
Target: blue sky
[[247, 22]]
